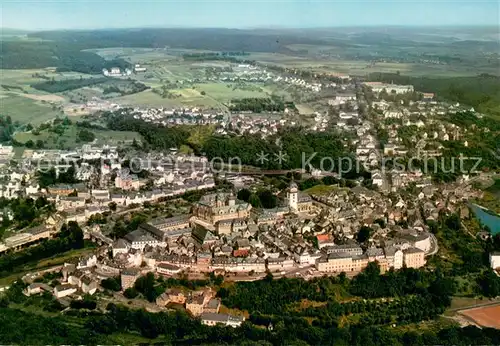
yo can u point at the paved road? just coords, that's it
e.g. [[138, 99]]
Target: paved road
[[488, 303], [434, 246]]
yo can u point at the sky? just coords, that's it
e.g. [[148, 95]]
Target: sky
[[92, 14]]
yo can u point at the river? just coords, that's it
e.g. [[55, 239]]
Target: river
[[487, 219]]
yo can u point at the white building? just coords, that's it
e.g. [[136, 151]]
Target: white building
[[64, 290], [293, 196], [495, 260], [212, 319]]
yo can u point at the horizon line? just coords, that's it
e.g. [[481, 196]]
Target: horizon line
[[270, 27]]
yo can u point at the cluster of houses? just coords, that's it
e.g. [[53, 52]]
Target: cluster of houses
[[116, 72], [103, 183], [77, 280], [183, 116]]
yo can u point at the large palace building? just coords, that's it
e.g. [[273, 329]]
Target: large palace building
[[221, 206]]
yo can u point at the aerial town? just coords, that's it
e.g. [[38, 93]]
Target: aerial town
[[169, 192]]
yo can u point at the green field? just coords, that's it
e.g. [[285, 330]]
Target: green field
[[224, 93], [360, 67], [148, 98], [69, 139], [26, 110]]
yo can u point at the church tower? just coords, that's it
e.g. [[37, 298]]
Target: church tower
[[293, 196]]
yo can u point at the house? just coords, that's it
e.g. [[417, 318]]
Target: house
[[88, 285], [194, 304], [413, 258], [495, 260], [126, 181], [394, 257], [139, 239], [167, 269], [212, 319], [172, 295], [87, 262], [120, 246], [37, 288], [61, 291], [212, 306]]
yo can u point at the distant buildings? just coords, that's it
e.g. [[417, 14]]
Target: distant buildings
[[139, 68], [212, 319], [116, 72], [377, 87]]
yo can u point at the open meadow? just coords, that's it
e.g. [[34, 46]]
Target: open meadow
[[26, 110], [337, 65], [68, 140]]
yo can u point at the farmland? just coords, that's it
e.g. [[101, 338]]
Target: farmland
[[27, 110], [68, 140]]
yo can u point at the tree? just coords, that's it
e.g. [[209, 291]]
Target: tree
[[489, 284], [244, 195], [364, 234], [112, 284], [130, 293], [254, 201], [267, 199], [112, 206], [29, 144], [85, 135]]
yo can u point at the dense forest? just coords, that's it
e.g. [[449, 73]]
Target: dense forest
[[297, 145], [225, 40], [481, 92], [53, 86], [65, 57], [234, 57], [118, 323]]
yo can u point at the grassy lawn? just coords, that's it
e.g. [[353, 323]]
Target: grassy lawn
[[426, 326], [321, 189], [147, 98], [225, 92], [304, 109]]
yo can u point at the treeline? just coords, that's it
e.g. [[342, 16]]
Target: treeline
[[258, 105], [157, 137], [481, 92], [70, 237], [298, 148], [278, 297], [67, 56], [7, 128], [53, 86], [132, 88], [219, 40], [222, 56], [119, 323]]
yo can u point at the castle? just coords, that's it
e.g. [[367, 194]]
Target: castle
[[216, 207]]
